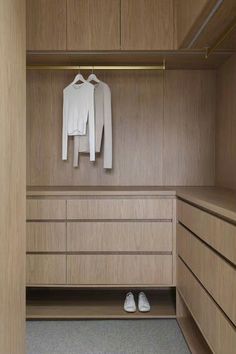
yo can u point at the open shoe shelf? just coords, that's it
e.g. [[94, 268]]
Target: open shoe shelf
[[94, 304]]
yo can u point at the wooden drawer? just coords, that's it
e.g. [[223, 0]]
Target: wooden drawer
[[46, 237], [46, 209], [216, 328], [218, 233], [119, 269], [45, 269], [215, 274], [119, 236], [130, 208]]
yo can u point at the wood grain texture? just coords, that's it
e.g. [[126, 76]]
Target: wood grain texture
[[226, 125], [181, 59], [144, 131], [216, 200], [214, 325], [124, 208], [119, 269], [46, 237], [93, 24], [95, 304], [190, 330], [189, 131], [119, 236], [45, 269], [46, 24], [137, 104], [215, 274], [219, 234], [12, 176], [37, 209], [189, 16], [147, 24], [221, 20]]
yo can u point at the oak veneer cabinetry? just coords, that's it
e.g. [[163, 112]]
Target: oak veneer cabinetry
[[147, 24], [93, 24], [46, 237], [119, 236], [119, 269], [46, 24], [214, 325], [100, 25], [39, 209], [206, 275], [124, 208], [12, 176], [46, 269], [101, 240], [216, 275], [217, 233]]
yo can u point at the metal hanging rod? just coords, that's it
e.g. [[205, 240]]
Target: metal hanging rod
[[221, 39], [96, 67]]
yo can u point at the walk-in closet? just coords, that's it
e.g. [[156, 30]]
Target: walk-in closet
[[118, 171]]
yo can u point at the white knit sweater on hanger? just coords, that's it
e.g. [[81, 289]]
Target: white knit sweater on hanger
[[78, 108]]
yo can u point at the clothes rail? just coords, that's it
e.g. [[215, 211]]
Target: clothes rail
[[96, 67]]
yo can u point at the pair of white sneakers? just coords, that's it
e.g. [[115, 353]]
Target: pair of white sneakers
[[143, 303]]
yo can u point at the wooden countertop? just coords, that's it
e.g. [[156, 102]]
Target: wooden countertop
[[83, 191], [219, 201]]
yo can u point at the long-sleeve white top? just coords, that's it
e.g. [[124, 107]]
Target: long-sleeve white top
[[103, 126], [78, 109]]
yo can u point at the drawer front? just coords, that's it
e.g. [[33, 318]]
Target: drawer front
[[119, 208], [119, 236], [46, 237], [216, 328], [46, 209], [45, 269], [218, 233], [119, 269], [216, 274]]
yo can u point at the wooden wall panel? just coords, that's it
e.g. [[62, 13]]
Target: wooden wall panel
[[186, 14], [137, 100], [189, 131], [93, 24], [147, 24], [46, 24], [152, 144], [12, 177], [226, 125]]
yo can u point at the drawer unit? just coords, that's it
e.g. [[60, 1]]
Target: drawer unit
[[119, 236], [218, 233], [216, 274], [45, 269], [120, 208], [46, 237], [216, 328], [119, 269], [45, 209]]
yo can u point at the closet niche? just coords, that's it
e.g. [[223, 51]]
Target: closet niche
[[162, 135]]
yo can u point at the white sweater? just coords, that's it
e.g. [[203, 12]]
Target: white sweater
[[78, 107], [103, 126]]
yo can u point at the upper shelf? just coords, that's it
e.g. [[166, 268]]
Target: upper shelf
[[174, 59]]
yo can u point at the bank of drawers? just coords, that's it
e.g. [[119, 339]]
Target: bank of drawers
[[206, 275], [103, 241]]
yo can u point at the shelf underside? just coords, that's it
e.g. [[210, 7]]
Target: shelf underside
[[174, 59], [94, 304]]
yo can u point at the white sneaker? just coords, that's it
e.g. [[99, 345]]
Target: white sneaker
[[129, 304], [143, 303]]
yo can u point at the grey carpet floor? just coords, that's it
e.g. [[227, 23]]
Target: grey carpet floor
[[105, 337]]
